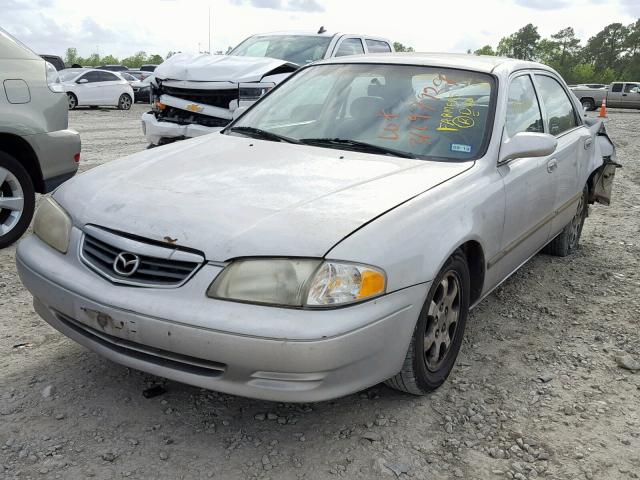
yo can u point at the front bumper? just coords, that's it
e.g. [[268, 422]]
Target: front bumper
[[255, 351], [156, 130], [56, 153]]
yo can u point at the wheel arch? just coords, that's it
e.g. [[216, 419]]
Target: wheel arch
[[477, 268], [20, 149]]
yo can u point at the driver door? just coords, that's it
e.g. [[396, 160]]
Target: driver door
[[88, 92], [528, 184]]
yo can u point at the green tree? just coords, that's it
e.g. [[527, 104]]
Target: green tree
[[605, 49], [71, 56], [486, 50], [398, 47], [155, 59], [109, 60], [523, 44]]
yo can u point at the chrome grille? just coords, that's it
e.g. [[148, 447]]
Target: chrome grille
[[157, 266]]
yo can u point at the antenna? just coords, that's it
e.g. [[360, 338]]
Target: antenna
[[322, 30]]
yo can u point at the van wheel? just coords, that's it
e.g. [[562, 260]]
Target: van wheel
[[569, 238], [17, 200], [438, 333], [124, 103], [73, 101]]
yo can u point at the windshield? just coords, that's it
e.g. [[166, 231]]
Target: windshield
[[298, 49], [416, 111]]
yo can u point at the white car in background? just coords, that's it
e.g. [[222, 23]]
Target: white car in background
[[94, 87]]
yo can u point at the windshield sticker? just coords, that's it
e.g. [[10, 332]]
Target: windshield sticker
[[458, 147], [458, 113]]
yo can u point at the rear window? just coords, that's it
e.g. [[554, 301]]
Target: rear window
[[377, 46]]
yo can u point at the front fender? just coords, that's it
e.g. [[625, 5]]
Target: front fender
[[412, 241]]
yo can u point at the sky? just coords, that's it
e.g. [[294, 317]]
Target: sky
[[122, 28]]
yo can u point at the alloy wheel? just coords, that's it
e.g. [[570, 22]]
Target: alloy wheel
[[11, 201], [576, 224], [72, 102], [442, 320], [125, 102]]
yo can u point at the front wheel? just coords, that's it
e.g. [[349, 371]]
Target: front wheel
[[438, 333], [569, 238], [124, 102], [17, 200]]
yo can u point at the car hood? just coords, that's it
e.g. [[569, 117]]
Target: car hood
[[218, 68], [235, 197]]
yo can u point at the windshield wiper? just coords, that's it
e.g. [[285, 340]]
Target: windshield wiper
[[355, 145], [263, 134]]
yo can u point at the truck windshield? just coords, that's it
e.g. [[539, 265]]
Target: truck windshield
[[409, 111], [298, 49]]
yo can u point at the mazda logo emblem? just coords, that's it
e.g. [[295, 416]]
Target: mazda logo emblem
[[126, 264]]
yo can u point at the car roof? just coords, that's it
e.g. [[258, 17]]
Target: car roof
[[481, 63]]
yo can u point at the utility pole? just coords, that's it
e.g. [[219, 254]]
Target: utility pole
[[209, 30]]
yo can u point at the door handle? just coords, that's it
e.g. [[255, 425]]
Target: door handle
[[624, 94], [552, 165]]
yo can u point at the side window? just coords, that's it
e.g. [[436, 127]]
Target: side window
[[107, 77], [377, 46], [630, 87], [617, 87], [523, 110], [350, 46], [91, 77], [560, 112]]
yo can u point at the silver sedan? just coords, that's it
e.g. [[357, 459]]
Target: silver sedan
[[334, 236]]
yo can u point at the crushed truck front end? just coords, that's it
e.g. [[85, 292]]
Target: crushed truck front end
[[192, 96]]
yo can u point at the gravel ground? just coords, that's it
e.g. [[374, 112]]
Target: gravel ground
[[536, 393]]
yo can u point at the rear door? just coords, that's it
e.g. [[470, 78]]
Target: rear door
[[110, 88], [574, 143], [528, 184], [614, 96], [631, 95]]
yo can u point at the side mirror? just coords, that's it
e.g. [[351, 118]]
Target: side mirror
[[83, 80], [238, 112], [527, 144]]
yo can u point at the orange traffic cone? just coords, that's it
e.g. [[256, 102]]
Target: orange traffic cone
[[603, 109]]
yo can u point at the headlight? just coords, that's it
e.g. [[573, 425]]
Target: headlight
[[251, 93], [53, 79], [52, 225], [297, 282]]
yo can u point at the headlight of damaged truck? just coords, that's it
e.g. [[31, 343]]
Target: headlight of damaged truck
[[52, 225], [297, 282]]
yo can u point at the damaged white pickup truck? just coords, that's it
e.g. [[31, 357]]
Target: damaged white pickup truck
[[194, 95]]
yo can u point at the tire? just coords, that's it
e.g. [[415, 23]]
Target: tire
[[15, 215], [73, 100], [568, 240], [124, 102], [588, 104], [424, 371]]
